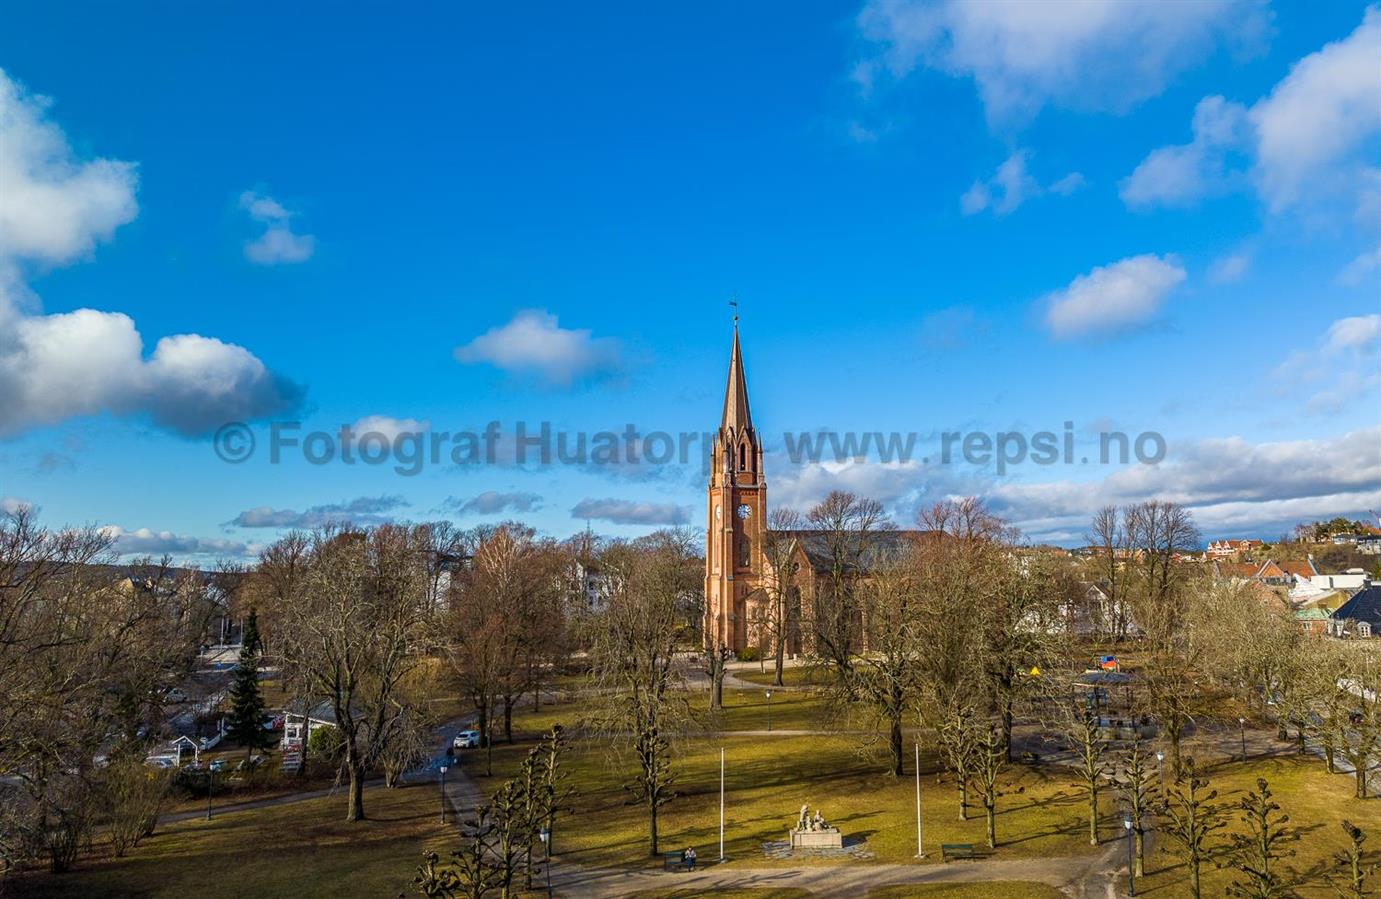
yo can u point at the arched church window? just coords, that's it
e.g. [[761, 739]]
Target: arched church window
[[742, 457]]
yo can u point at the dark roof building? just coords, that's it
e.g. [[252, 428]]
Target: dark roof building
[[1360, 615]]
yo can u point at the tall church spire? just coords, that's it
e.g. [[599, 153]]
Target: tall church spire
[[736, 414]]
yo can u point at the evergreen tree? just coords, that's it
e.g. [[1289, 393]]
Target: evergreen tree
[[250, 642], [246, 719]]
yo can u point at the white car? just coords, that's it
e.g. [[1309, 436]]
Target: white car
[[466, 739]]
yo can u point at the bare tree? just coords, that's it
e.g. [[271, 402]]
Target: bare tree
[[1259, 852], [846, 530], [781, 549], [82, 652], [1108, 537], [354, 636], [890, 683], [634, 649]]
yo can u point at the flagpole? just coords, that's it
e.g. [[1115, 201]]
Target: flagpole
[[721, 803], [920, 847]]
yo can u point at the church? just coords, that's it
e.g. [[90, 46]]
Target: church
[[740, 581], [736, 525]]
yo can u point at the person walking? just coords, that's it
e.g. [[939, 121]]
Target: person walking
[[689, 857]]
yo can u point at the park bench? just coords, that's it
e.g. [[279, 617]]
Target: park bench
[[673, 861], [951, 851]]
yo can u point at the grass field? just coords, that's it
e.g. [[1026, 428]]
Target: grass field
[[798, 676], [1315, 801], [767, 780], [302, 850]]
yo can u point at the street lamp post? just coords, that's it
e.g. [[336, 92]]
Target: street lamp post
[[769, 711], [545, 834], [209, 782], [1160, 763], [443, 795], [1131, 870], [1242, 726]]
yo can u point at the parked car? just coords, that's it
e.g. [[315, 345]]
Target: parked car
[[159, 761], [176, 694], [217, 765], [466, 739]]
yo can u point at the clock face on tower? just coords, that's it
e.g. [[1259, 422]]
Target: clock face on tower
[[744, 511]]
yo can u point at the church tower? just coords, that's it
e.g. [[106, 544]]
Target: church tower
[[736, 516]]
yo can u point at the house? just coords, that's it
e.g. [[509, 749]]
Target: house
[[1360, 616], [1314, 619], [1352, 579], [300, 721], [1222, 549], [1369, 545]]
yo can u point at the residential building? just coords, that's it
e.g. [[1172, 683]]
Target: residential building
[[1360, 616], [1223, 549]]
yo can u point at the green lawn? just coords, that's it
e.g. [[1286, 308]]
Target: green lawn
[[767, 780], [301, 850], [749, 710], [798, 676]]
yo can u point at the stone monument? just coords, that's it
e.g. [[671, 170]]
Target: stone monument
[[814, 833]]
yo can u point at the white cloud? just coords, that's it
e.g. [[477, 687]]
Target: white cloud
[[1339, 370], [1181, 175], [1011, 185], [147, 542], [9, 505], [534, 343], [1356, 271], [492, 502], [364, 511], [1230, 269], [1358, 332], [55, 209], [1112, 298], [1320, 114], [278, 244], [1229, 484], [390, 428], [1081, 54], [623, 511], [1226, 482], [53, 367], [1305, 140]]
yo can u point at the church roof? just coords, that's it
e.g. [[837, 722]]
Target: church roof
[[736, 414], [880, 546]]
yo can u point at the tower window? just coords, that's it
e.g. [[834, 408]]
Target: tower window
[[745, 551], [742, 457]]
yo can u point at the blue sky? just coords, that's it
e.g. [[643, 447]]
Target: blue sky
[[936, 217]]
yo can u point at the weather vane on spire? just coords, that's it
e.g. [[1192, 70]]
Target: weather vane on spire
[[733, 301]]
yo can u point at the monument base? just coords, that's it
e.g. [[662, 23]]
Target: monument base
[[831, 838]]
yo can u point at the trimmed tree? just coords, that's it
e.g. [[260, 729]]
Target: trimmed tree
[[1191, 814], [1258, 853]]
